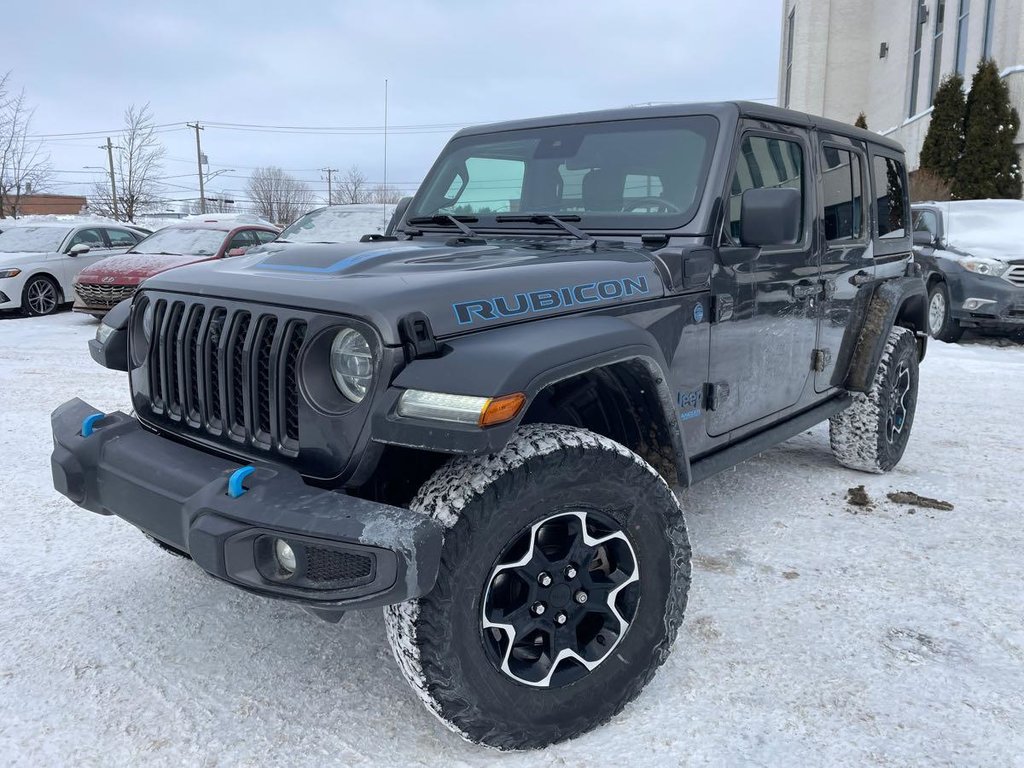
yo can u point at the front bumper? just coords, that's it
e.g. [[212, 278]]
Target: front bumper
[[179, 496], [1006, 310]]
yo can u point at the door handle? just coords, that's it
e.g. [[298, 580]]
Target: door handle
[[804, 290]]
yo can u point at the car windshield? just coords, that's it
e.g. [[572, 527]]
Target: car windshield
[[326, 225], [986, 228], [632, 174], [183, 240], [31, 239]]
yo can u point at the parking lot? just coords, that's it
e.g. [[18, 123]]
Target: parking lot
[[818, 632]]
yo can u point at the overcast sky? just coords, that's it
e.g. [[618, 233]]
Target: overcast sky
[[449, 63]]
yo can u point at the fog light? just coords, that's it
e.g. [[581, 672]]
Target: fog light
[[285, 556], [972, 304]]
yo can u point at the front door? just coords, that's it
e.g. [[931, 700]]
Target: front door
[[764, 320]]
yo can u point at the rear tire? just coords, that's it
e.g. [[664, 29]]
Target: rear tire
[[872, 434], [41, 296], [515, 540], [941, 324]]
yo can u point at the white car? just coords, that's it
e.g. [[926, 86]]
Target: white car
[[39, 261]]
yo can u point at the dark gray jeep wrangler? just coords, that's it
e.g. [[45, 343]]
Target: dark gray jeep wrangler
[[477, 419]]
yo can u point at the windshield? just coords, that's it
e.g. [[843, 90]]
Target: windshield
[[986, 228], [31, 239], [327, 225], [181, 240], [631, 174]]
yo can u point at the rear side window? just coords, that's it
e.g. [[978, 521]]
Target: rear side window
[[891, 197], [119, 238], [842, 190], [764, 163]]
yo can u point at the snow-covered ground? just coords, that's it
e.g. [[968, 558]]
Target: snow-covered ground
[[818, 633]]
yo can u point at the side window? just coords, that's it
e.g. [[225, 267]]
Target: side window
[[844, 199], [891, 197], [119, 238], [926, 221], [90, 237], [764, 163], [243, 239], [264, 236], [494, 185]]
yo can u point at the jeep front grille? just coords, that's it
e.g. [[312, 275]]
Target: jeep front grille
[[227, 373], [103, 296], [1015, 275]]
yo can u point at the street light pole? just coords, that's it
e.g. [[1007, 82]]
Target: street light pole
[[199, 165], [113, 185]]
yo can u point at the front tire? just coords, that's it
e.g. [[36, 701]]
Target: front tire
[[872, 434], [41, 296], [941, 324], [563, 580]]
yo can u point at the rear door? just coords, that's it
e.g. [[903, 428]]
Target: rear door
[[764, 320], [846, 262]]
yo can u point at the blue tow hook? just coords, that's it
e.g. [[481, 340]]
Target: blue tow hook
[[235, 487], [89, 421]]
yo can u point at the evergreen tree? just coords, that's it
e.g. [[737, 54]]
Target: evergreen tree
[[944, 143], [990, 164], [862, 121]]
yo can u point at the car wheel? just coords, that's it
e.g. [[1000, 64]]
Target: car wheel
[[563, 580], [41, 296], [872, 434], [941, 324]]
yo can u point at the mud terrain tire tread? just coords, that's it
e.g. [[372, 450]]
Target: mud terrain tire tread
[[857, 435], [470, 496]]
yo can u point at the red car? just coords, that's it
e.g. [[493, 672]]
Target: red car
[[100, 287]]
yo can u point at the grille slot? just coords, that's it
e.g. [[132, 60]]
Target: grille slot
[[104, 296], [325, 565], [1015, 275], [225, 373]]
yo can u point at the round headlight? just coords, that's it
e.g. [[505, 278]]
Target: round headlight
[[147, 321], [352, 364]]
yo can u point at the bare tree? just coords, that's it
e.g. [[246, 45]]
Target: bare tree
[[24, 166], [385, 194], [137, 167], [353, 188], [277, 196]]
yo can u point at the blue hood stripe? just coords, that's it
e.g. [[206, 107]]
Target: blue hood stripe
[[351, 261]]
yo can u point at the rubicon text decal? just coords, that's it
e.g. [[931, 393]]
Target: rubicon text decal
[[467, 312]]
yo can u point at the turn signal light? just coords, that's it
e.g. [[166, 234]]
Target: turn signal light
[[501, 409]]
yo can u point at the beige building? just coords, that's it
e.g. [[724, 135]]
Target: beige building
[[886, 58]]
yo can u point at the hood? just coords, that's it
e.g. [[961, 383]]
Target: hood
[[459, 288], [131, 268], [14, 259]]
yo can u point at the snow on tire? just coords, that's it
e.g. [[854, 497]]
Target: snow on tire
[[872, 434], [563, 580]]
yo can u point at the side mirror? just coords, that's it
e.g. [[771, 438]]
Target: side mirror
[[78, 250], [236, 252], [770, 217], [400, 209], [925, 238]]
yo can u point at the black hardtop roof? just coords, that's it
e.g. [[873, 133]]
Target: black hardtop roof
[[727, 110]]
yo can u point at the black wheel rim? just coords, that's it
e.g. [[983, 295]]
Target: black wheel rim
[[560, 599], [897, 416], [42, 297]]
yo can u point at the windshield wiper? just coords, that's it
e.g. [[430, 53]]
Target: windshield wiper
[[549, 218], [447, 220]]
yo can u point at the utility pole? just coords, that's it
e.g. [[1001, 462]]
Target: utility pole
[[385, 148], [199, 166], [113, 186], [330, 192]]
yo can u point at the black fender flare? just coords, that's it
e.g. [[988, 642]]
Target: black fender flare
[[878, 307], [522, 358]]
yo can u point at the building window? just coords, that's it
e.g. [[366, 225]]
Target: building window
[[915, 75], [940, 27], [790, 23], [961, 36], [986, 47]]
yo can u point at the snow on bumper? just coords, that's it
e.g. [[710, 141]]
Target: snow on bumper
[[349, 552]]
